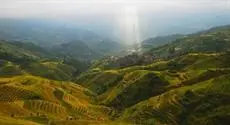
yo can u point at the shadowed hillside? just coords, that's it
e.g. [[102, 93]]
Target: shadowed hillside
[[28, 58], [185, 82], [185, 89]]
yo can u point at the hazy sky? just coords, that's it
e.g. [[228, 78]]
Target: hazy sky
[[68, 8], [120, 17]]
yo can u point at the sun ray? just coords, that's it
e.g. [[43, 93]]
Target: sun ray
[[131, 26]]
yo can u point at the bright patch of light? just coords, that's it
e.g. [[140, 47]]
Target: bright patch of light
[[130, 24]]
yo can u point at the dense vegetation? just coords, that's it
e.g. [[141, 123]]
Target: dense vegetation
[[28, 58], [81, 43], [182, 86], [213, 40], [159, 41], [185, 82]]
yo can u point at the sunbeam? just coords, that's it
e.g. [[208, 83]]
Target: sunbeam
[[131, 26]]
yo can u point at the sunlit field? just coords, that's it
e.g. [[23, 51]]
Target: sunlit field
[[114, 62]]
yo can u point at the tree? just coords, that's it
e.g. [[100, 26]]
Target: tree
[[171, 49]]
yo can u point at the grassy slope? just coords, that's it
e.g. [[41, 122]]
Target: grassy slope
[[205, 103], [164, 81], [40, 100], [185, 90], [13, 121], [20, 58], [200, 98], [213, 40]]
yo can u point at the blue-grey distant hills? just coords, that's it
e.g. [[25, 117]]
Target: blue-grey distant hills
[[71, 40]]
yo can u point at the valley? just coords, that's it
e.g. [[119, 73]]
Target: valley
[[185, 81]]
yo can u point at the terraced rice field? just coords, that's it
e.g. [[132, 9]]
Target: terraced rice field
[[10, 94], [45, 106]]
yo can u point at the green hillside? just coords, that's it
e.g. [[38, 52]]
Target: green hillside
[[189, 88], [54, 34], [165, 84], [41, 100], [213, 40], [77, 49], [186, 83], [204, 103], [155, 42], [28, 58]]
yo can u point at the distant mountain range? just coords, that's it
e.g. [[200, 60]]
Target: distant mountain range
[[159, 41], [42, 32], [51, 35], [177, 80]]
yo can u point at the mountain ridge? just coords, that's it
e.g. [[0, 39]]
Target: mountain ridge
[[177, 87]]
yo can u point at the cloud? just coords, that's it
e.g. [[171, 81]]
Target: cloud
[[106, 17], [68, 8]]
